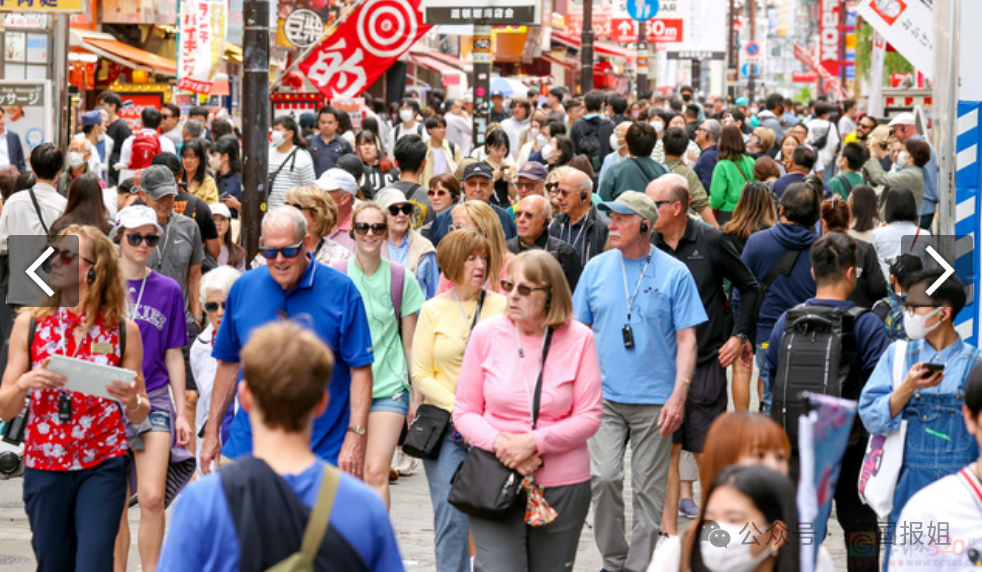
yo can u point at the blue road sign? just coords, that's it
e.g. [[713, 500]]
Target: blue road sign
[[749, 69], [753, 49], [642, 10]]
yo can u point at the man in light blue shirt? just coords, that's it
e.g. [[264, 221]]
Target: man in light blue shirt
[[903, 126], [643, 306]]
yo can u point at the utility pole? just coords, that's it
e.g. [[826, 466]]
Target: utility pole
[[59, 80], [752, 76], [732, 51], [642, 57], [481, 80], [843, 22], [586, 48], [255, 121]]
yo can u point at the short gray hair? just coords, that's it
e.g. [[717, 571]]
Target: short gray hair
[[714, 128], [285, 216], [218, 280], [194, 128]]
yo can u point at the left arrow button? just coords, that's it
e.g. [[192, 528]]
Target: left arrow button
[[32, 274]]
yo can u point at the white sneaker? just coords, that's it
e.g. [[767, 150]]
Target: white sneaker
[[404, 464]]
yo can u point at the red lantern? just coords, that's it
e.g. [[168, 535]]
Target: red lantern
[[294, 81]]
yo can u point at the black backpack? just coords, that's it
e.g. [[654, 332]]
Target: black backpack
[[818, 354], [591, 149]]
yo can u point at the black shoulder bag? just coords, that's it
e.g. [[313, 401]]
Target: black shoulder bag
[[426, 431], [483, 486]]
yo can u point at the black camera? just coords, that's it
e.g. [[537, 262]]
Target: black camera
[[13, 432], [628, 334]]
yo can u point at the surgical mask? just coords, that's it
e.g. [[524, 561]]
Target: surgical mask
[[915, 324], [75, 160], [215, 163], [546, 151], [733, 556], [407, 115], [903, 158], [534, 133], [278, 138], [541, 140], [636, 113], [686, 97], [754, 111], [614, 141], [659, 126]]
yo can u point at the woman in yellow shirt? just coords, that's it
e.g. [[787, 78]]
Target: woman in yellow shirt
[[194, 157], [442, 332]]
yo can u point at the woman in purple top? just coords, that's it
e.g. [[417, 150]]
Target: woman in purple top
[[156, 304]]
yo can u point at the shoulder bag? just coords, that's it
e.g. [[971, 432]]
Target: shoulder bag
[[426, 431], [483, 486], [885, 453]]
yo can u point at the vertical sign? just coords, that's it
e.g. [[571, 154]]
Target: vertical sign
[[481, 55], [829, 36], [876, 75], [203, 25]]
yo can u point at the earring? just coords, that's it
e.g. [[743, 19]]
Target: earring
[[91, 275]]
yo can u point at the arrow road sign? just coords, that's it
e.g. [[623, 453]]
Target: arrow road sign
[[948, 270], [642, 10], [37, 264]]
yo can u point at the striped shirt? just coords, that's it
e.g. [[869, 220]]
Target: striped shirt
[[298, 171]]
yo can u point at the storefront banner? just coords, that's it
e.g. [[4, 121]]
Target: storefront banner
[[908, 26], [364, 47], [203, 27]]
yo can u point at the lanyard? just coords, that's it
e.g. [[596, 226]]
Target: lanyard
[[630, 298], [162, 249], [139, 298], [569, 228], [477, 313], [546, 340]]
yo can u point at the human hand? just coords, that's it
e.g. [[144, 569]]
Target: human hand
[[747, 357], [730, 351], [530, 466], [183, 430], [210, 450], [672, 413], [352, 458], [125, 393], [513, 449], [919, 377], [41, 378], [232, 203]]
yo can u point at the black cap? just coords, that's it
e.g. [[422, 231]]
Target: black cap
[[352, 164], [479, 169]]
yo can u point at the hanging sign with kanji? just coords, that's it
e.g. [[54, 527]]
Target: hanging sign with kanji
[[364, 46], [203, 27], [64, 6]]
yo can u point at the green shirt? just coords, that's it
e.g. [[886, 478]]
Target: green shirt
[[631, 174], [728, 182], [390, 371], [840, 189]]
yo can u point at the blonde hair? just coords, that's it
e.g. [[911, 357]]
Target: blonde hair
[[287, 369], [322, 209], [106, 295], [488, 222], [558, 173], [543, 270], [454, 250]]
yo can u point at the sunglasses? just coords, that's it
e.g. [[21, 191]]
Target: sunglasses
[[213, 306], [362, 228], [552, 187], [526, 186], [523, 290], [437, 193], [524, 214], [406, 209], [68, 256], [135, 239], [286, 251], [659, 204], [297, 206]]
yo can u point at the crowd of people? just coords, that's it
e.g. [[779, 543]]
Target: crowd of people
[[619, 266]]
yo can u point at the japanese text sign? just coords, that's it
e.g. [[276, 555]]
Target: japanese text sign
[[908, 25], [66, 6], [203, 25]]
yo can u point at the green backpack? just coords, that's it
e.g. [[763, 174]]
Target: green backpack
[[313, 534]]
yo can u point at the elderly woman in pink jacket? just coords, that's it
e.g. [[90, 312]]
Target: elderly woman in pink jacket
[[493, 410]]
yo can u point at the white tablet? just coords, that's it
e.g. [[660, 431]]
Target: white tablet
[[87, 377]]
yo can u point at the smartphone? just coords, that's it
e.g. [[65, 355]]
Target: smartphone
[[226, 196], [933, 367]]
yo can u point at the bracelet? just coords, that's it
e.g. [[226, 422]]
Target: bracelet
[[139, 403]]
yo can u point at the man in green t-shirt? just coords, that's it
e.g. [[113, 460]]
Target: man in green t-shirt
[[850, 164]]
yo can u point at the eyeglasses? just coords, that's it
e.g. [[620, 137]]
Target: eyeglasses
[[286, 251], [66, 256], [437, 193], [362, 228], [524, 214], [913, 305], [658, 204], [406, 209], [552, 187], [135, 239], [523, 290], [213, 306], [297, 206], [526, 186]]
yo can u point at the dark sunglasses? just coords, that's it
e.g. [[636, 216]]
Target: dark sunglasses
[[68, 256], [286, 251], [135, 239], [213, 306], [437, 193], [552, 187], [659, 204], [362, 228], [406, 209], [523, 290]]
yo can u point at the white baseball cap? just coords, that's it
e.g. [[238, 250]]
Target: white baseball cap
[[220, 209], [135, 216], [905, 118], [337, 180], [390, 196]]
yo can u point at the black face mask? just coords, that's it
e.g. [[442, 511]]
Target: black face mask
[[686, 97]]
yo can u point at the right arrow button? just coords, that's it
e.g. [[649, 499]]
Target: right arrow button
[[948, 270]]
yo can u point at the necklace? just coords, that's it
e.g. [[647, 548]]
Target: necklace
[[460, 307]]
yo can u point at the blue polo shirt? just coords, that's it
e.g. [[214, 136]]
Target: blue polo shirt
[[667, 301], [327, 154], [327, 302]]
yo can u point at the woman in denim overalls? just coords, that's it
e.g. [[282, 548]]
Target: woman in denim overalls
[[937, 442]]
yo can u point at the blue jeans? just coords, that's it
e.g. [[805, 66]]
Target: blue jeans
[[765, 376], [453, 552]]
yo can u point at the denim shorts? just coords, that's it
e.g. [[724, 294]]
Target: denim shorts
[[398, 403]]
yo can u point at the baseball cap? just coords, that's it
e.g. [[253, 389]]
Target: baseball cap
[[158, 182], [497, 93], [307, 120], [741, 101], [632, 202], [352, 164], [479, 169], [533, 171], [135, 216], [91, 118], [337, 180], [905, 118], [220, 209], [390, 196]]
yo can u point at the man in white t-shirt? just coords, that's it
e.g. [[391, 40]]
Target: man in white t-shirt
[[408, 112], [150, 118], [940, 527]]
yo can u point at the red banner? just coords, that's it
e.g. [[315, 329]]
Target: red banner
[[829, 36], [364, 46], [663, 31]]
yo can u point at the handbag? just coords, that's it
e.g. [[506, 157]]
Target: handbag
[[483, 486], [425, 436], [885, 454]]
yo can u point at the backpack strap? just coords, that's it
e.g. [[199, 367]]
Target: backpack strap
[[881, 309], [397, 273], [320, 516], [899, 357], [32, 330], [783, 266], [122, 341], [845, 183]]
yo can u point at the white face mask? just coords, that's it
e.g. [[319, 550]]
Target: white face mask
[[215, 163], [734, 556], [615, 143], [753, 111], [534, 133], [407, 115], [278, 138], [75, 160], [546, 151], [903, 158], [659, 126], [915, 324], [541, 140]]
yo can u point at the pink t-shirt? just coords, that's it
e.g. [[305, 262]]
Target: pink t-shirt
[[494, 394]]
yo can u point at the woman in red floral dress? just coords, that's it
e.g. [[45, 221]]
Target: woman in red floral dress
[[75, 444]]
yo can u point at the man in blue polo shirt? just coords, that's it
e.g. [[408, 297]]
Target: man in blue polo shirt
[[292, 286], [327, 147], [645, 328]]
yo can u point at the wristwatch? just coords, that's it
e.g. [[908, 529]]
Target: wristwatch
[[357, 430], [743, 338]]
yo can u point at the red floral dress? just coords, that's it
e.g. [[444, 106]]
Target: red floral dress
[[96, 431]]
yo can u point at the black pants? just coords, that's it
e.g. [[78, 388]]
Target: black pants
[[74, 515], [858, 521]]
